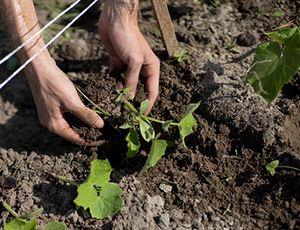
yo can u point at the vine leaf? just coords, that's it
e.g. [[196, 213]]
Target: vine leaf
[[275, 65], [166, 125], [187, 122], [283, 34], [144, 106], [55, 226], [133, 143], [96, 193], [146, 129], [21, 224], [157, 150], [272, 166]]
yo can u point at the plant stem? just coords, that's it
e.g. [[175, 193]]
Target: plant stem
[[158, 121], [131, 107], [288, 167], [31, 214], [8, 208], [68, 181], [215, 187]]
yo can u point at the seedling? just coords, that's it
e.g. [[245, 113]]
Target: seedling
[[275, 63], [275, 164], [19, 223], [137, 121], [181, 56], [97, 194]]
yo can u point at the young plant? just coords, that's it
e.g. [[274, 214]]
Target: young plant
[[275, 164], [137, 121], [97, 194], [19, 223], [181, 56], [275, 63]]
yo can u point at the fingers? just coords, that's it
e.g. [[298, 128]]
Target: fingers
[[88, 116], [62, 128], [133, 72]]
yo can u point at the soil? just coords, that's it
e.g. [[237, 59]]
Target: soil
[[219, 181]]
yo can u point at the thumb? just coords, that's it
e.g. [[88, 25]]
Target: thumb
[[89, 117]]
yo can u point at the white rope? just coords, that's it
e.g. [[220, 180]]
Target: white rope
[[45, 47], [39, 32]]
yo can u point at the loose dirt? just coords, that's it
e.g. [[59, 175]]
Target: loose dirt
[[219, 181]]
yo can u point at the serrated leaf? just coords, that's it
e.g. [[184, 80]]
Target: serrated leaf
[[133, 143], [144, 106], [283, 34], [55, 226], [166, 125], [146, 129], [272, 166], [96, 193], [127, 91], [273, 67], [20, 224], [158, 149], [187, 122], [128, 124]]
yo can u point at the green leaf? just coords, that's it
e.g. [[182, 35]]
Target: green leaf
[[157, 150], [133, 143], [118, 98], [273, 67], [127, 91], [272, 166], [96, 193], [278, 14], [187, 122], [166, 125], [283, 34], [144, 106], [146, 129], [128, 124], [55, 226], [176, 54], [20, 224]]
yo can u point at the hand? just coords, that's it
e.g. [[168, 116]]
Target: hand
[[54, 94], [125, 44]]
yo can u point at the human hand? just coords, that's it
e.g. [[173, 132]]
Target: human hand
[[125, 44], [54, 94]]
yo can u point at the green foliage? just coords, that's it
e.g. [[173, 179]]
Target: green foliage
[[187, 122], [271, 167], [181, 56], [275, 63], [138, 121], [101, 197], [19, 223]]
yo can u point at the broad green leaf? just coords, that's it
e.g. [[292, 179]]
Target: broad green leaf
[[128, 124], [187, 122], [157, 150], [146, 129], [118, 98], [144, 106], [96, 193], [55, 226], [176, 54], [283, 34], [133, 143], [20, 224], [272, 166], [273, 67], [127, 91], [166, 125]]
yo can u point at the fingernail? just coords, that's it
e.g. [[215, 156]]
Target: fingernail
[[99, 124], [131, 95]]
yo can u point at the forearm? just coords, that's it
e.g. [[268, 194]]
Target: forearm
[[21, 23]]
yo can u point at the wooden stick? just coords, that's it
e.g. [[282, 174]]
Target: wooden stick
[[165, 25]]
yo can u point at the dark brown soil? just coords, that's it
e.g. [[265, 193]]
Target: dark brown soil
[[219, 181]]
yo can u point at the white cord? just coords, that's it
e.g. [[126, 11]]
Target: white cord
[[39, 32], [45, 47]]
